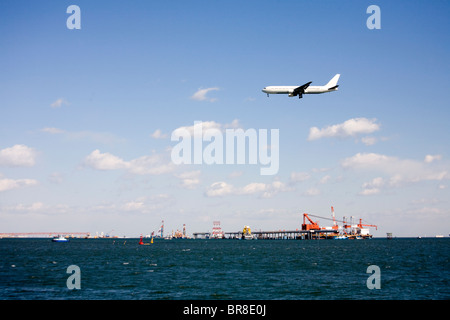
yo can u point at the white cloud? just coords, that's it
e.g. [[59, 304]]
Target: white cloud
[[372, 187], [52, 130], [190, 179], [40, 209], [399, 171], [133, 205], [252, 188], [348, 128], [18, 156], [219, 189], [10, 184], [299, 177], [320, 170], [274, 188], [153, 164], [143, 204], [203, 126], [158, 134], [430, 158], [59, 103], [35, 206], [105, 161], [368, 141], [264, 190], [312, 192], [368, 161], [325, 179], [200, 95]]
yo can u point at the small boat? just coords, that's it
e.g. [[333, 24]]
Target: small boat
[[60, 239], [340, 237]]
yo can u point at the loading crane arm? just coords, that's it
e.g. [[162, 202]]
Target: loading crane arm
[[311, 226], [366, 225]]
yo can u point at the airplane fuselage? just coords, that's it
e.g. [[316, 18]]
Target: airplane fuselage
[[290, 89], [293, 91]]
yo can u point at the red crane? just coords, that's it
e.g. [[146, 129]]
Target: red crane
[[360, 225], [310, 226]]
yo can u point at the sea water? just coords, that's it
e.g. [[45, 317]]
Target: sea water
[[120, 269]]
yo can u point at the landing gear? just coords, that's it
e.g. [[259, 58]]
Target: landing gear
[[267, 95], [300, 96]]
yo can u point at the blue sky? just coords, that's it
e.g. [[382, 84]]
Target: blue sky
[[86, 115]]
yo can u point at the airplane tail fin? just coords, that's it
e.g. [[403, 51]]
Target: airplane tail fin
[[332, 84]]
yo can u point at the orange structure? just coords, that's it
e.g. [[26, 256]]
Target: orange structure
[[309, 226], [360, 225]]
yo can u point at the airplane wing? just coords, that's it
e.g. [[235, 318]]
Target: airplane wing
[[300, 90]]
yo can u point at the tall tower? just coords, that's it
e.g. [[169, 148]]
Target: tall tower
[[217, 232], [335, 225]]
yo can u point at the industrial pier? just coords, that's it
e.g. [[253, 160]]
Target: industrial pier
[[310, 230], [273, 235]]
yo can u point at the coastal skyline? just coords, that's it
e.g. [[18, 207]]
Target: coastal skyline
[[87, 115]]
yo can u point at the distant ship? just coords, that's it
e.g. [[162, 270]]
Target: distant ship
[[60, 239], [247, 233]]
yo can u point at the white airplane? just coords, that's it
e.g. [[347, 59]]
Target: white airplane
[[299, 91]]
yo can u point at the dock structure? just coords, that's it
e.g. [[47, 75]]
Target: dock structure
[[309, 230], [275, 235], [49, 234]]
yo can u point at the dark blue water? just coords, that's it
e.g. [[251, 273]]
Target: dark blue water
[[225, 269]]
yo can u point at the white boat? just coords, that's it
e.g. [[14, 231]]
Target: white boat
[[60, 239], [341, 237]]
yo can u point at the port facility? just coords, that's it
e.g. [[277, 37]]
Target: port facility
[[274, 235]]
